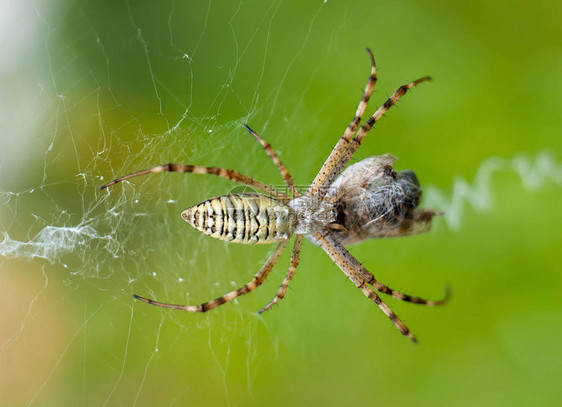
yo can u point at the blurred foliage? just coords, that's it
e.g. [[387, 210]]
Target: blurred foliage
[[102, 88]]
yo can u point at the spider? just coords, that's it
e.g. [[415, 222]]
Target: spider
[[367, 200]]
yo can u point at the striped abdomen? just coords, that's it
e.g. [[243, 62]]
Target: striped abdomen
[[243, 218]]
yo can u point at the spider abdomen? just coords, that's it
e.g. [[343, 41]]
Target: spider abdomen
[[243, 218]]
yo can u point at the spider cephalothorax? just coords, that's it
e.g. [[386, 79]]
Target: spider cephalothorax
[[342, 206]]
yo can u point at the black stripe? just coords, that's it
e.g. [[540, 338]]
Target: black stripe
[[205, 218], [267, 225], [234, 216], [244, 213], [256, 234], [213, 227], [223, 219], [218, 301]]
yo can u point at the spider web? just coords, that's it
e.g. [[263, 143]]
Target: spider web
[[85, 131], [92, 102]]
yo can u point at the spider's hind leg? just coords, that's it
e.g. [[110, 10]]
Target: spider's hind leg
[[372, 295], [288, 277], [406, 297], [258, 279], [370, 279], [348, 264]]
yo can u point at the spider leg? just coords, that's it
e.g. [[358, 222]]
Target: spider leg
[[196, 169], [343, 262], [280, 166], [344, 140], [258, 279], [288, 277], [369, 278], [369, 293], [358, 139]]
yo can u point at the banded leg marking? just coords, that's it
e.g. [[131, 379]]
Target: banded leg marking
[[344, 140], [342, 261], [258, 279], [289, 276], [287, 178], [358, 139], [369, 278], [372, 295], [197, 169]]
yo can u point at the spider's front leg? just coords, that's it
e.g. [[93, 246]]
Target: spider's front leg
[[333, 158], [354, 144], [326, 241], [369, 278]]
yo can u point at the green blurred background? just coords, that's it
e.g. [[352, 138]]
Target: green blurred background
[[97, 89]]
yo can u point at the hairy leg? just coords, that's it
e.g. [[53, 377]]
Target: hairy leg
[[369, 278], [358, 139], [343, 263], [196, 169], [280, 166], [343, 142], [258, 279], [289, 276]]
